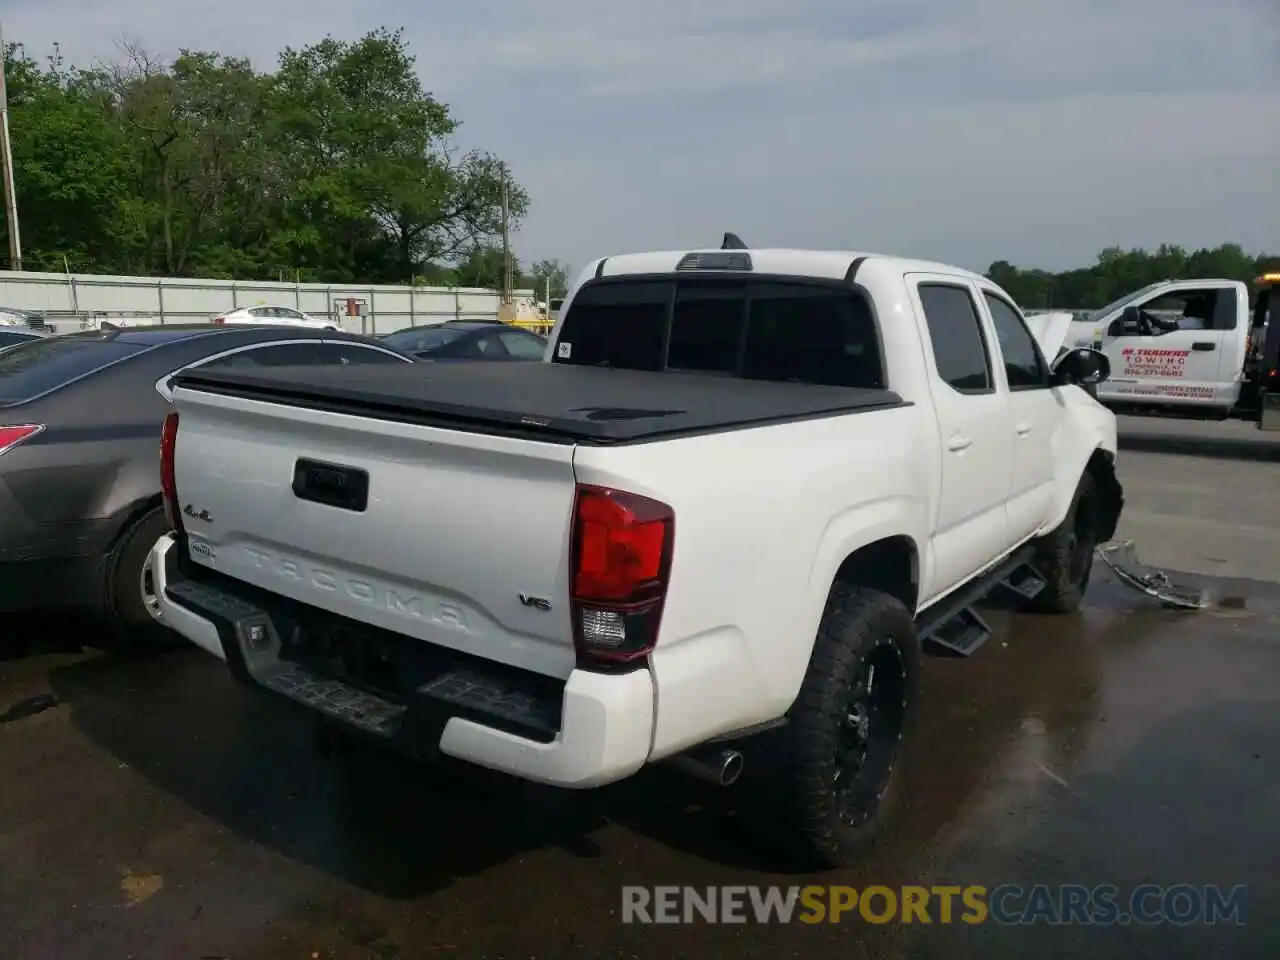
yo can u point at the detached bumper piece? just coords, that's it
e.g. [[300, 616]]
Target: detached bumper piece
[[1122, 558], [389, 686]]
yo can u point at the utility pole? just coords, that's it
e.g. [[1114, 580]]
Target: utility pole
[[506, 243], [6, 167]]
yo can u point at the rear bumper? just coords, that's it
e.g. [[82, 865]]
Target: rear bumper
[[51, 584], [51, 564], [590, 730]]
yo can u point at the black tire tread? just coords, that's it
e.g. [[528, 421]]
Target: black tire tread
[[1052, 558], [796, 759], [127, 619]]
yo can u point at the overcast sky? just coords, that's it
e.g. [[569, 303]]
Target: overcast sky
[[1036, 131]]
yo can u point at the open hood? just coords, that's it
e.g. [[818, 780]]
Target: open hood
[[1050, 330]]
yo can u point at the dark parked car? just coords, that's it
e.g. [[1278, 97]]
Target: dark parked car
[[11, 335], [80, 419], [468, 340]]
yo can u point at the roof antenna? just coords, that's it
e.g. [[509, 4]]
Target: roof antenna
[[732, 242]]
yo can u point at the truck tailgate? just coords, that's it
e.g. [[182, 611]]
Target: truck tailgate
[[462, 539]]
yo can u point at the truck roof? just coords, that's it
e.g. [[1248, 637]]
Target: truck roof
[[824, 264]]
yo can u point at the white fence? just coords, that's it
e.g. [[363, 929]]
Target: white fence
[[79, 300]]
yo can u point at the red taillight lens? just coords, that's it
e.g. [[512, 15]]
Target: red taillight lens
[[622, 545], [168, 479], [10, 437], [220, 320]]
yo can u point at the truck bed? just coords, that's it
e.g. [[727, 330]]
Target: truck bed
[[550, 401]]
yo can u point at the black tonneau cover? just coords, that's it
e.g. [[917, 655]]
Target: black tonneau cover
[[550, 401]]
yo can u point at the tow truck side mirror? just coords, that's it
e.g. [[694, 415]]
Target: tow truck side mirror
[[1083, 366], [1128, 324]]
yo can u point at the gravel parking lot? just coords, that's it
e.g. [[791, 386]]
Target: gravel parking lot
[[151, 809]]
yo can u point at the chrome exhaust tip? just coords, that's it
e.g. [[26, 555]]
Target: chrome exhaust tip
[[721, 767]]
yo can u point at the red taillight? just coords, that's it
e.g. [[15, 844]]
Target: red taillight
[[10, 437], [168, 479], [220, 320], [621, 559]]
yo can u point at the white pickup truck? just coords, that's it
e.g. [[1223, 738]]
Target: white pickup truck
[[1189, 348], [717, 526]]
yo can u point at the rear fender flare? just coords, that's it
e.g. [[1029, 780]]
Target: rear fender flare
[[844, 535]]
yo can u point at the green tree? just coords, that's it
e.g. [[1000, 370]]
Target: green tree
[[336, 166], [553, 271], [72, 169], [370, 151], [1119, 271], [482, 267]]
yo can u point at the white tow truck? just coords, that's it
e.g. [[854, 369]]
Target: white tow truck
[[1189, 348], [717, 526]]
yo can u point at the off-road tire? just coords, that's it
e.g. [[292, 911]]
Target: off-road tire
[[1065, 557], [126, 618], [790, 775]]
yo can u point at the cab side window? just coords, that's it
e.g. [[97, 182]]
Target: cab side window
[[955, 328], [1024, 368]]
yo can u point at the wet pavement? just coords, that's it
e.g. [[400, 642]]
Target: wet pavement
[[149, 808]]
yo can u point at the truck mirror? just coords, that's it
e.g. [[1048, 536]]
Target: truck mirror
[[1128, 324], [1083, 366]]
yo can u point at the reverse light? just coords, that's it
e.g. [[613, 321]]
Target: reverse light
[[168, 472], [10, 437], [620, 564]]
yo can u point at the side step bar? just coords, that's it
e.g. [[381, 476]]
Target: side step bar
[[954, 628]]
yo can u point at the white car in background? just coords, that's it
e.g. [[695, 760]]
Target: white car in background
[[276, 317]]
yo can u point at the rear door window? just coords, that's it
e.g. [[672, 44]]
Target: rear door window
[[955, 329], [422, 338], [471, 346], [758, 330], [522, 345], [28, 370]]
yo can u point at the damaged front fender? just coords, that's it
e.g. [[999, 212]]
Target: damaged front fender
[[1110, 495]]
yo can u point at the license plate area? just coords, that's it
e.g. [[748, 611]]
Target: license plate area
[[374, 678]]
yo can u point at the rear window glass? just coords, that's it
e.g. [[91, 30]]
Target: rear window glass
[[759, 330], [29, 369], [427, 339]]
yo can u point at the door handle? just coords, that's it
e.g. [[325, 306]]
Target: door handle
[[1023, 429], [1204, 345], [959, 442]]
